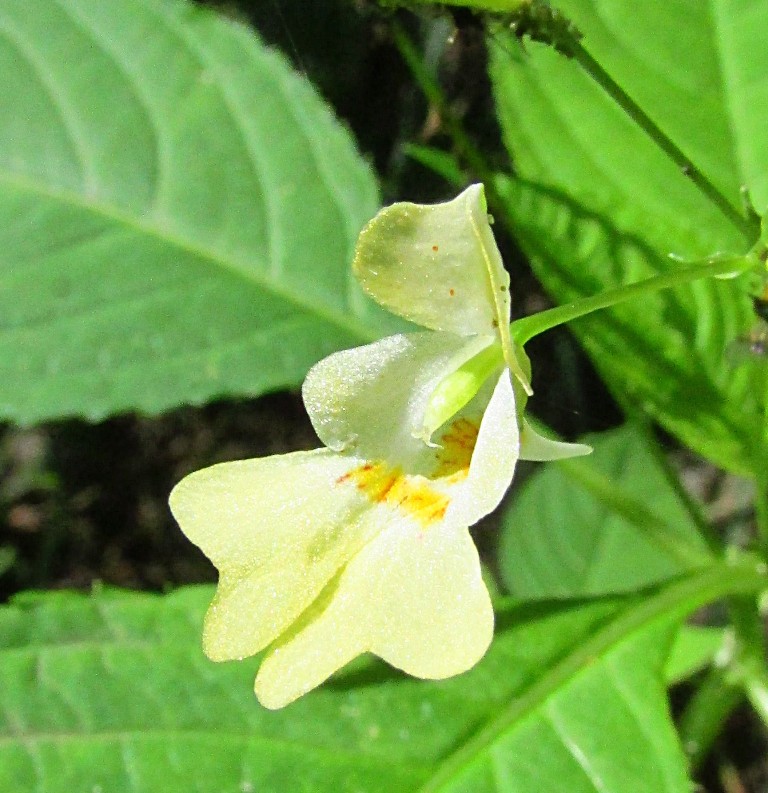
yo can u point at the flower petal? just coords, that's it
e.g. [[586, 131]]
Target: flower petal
[[538, 448], [415, 598], [437, 265], [372, 400], [494, 457], [277, 529]]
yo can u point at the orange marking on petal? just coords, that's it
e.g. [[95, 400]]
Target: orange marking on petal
[[456, 447], [382, 484]]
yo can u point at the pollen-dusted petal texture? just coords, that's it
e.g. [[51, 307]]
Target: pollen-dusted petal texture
[[437, 265], [371, 400], [413, 597], [278, 529]]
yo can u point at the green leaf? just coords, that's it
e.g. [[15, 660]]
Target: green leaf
[[441, 162], [693, 649], [111, 691], [602, 524], [600, 205], [178, 212]]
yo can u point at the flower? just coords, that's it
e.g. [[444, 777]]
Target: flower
[[363, 546]]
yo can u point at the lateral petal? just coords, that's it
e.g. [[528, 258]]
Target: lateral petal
[[278, 529], [372, 400], [413, 597], [494, 457]]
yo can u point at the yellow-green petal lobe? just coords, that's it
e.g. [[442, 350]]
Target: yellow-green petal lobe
[[538, 448], [437, 265], [277, 529], [371, 401], [413, 597]]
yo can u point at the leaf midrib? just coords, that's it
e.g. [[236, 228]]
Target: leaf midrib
[[132, 224]]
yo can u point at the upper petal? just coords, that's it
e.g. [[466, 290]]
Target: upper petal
[[413, 597], [372, 400], [277, 529], [437, 265]]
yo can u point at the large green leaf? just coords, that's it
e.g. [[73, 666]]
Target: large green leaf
[[177, 211], [600, 205], [111, 692], [607, 523]]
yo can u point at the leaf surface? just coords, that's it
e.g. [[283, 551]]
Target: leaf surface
[[695, 648], [599, 204], [112, 691], [177, 212], [580, 528]]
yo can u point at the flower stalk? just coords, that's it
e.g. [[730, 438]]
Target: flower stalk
[[523, 330]]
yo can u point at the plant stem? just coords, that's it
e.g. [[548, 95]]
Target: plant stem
[[748, 666], [725, 688], [746, 226], [429, 86], [523, 330]]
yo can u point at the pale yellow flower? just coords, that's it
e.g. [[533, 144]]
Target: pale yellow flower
[[363, 546]]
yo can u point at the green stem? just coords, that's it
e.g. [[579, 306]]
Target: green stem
[[429, 86], [675, 600], [748, 666], [724, 689], [523, 330], [747, 227]]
